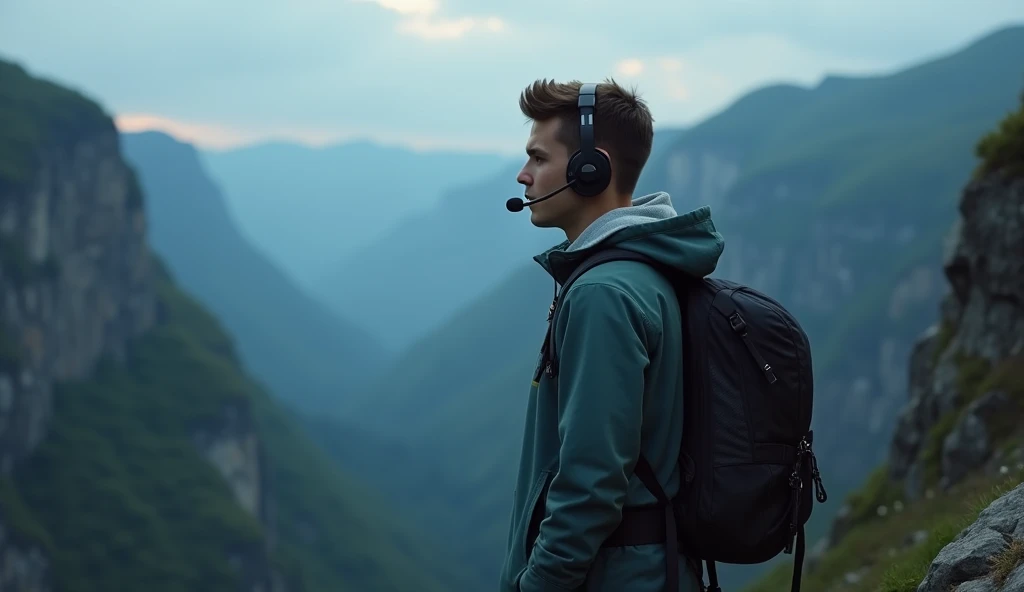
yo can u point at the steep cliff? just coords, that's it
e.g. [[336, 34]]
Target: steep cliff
[[137, 454], [958, 446], [75, 273]]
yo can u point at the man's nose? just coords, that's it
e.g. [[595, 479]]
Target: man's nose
[[524, 178]]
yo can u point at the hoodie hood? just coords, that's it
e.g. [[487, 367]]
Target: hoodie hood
[[651, 226]]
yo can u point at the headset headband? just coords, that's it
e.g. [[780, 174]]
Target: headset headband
[[589, 170], [587, 101]]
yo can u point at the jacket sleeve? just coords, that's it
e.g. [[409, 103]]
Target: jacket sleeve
[[602, 342]]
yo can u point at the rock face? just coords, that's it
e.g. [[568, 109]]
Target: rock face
[[966, 390], [981, 328], [77, 284], [75, 281], [997, 537]]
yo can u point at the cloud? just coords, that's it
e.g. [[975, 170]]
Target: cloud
[[683, 87], [407, 7], [435, 29], [629, 67], [450, 71], [421, 19]]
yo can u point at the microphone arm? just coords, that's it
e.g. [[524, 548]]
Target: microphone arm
[[516, 204]]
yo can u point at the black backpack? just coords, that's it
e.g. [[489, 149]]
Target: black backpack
[[746, 455]]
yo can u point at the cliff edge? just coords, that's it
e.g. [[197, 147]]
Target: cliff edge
[[946, 511]]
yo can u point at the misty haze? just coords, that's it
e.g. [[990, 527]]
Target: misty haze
[[268, 326]]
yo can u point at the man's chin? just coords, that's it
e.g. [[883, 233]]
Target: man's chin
[[539, 220]]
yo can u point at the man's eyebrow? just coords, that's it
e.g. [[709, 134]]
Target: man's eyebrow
[[535, 151]]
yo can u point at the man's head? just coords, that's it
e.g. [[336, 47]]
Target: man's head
[[623, 130]]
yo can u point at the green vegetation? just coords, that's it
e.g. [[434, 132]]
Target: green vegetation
[[879, 491], [19, 520], [36, 112], [1007, 561], [122, 496], [118, 484], [877, 543], [878, 548], [946, 334], [10, 351], [1003, 149], [17, 268], [906, 571], [975, 378]]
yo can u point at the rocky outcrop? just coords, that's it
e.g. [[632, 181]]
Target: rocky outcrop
[[22, 566], [77, 285], [987, 556], [961, 425], [961, 386], [231, 443], [75, 281]]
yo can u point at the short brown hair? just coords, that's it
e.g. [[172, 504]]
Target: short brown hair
[[623, 124]]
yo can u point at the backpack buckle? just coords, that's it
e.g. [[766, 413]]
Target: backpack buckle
[[737, 323]]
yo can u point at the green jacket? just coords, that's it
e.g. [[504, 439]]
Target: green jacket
[[617, 393]]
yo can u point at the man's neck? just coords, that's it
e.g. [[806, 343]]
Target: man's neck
[[588, 217]]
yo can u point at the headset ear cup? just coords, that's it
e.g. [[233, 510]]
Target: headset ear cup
[[589, 185]]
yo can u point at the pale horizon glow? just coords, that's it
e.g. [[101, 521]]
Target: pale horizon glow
[[213, 137]]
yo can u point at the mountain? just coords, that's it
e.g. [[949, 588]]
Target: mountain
[[305, 353], [307, 208], [446, 449], [452, 253], [832, 199], [135, 451], [942, 511]]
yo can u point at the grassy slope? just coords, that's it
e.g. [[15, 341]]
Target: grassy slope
[[120, 493], [875, 541]]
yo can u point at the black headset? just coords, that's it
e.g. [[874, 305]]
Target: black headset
[[588, 170]]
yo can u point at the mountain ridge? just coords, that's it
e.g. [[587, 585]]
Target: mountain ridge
[[309, 355], [308, 207]]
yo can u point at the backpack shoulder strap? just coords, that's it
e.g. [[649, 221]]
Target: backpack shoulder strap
[[602, 256]]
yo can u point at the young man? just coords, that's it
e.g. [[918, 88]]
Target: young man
[[618, 389]]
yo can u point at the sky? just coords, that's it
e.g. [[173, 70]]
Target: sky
[[448, 73]]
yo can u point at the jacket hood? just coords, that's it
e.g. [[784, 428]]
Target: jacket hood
[[651, 226]]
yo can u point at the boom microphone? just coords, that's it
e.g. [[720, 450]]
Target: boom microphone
[[516, 204]]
